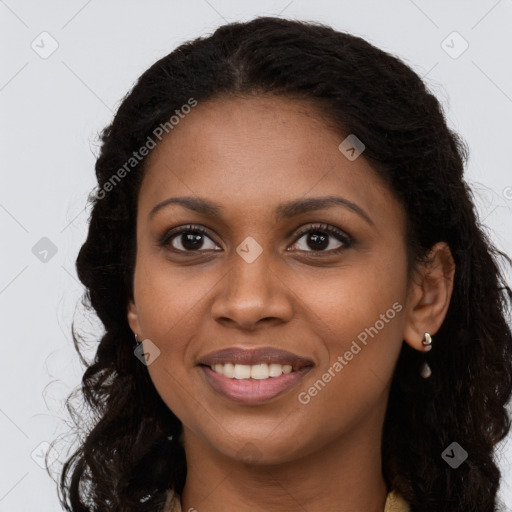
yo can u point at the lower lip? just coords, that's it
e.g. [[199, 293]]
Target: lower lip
[[253, 391]]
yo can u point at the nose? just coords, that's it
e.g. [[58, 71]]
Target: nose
[[252, 295]]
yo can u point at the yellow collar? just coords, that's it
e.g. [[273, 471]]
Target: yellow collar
[[394, 503]]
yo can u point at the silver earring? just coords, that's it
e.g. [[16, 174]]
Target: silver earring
[[137, 338], [426, 371]]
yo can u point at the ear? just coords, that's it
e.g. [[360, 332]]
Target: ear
[[133, 318], [429, 295]]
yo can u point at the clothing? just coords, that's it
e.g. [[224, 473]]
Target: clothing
[[394, 503]]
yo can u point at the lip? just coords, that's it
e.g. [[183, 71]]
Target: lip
[[250, 356], [253, 391]]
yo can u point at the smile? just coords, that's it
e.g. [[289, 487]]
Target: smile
[[250, 390], [253, 375]]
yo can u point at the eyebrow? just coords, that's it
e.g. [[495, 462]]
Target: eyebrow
[[283, 211]]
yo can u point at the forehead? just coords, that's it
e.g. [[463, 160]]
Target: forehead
[[254, 151], [241, 127]]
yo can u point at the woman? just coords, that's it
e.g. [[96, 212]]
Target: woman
[[301, 311]]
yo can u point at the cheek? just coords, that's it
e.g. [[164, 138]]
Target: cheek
[[357, 313], [348, 299], [167, 305], [361, 328], [169, 298]]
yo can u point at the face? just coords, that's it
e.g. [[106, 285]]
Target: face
[[260, 258]]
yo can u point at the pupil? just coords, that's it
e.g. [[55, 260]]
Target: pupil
[[190, 241], [319, 241]]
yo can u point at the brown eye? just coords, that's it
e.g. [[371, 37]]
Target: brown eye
[[188, 239], [322, 238]]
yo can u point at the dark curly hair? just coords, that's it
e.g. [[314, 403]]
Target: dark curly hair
[[132, 453]]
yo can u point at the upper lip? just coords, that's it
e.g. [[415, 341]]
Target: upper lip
[[268, 355]]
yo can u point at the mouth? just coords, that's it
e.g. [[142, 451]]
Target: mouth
[[253, 376]]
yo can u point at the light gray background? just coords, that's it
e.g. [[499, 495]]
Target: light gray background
[[53, 108]]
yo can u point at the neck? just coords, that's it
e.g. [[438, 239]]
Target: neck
[[346, 472]]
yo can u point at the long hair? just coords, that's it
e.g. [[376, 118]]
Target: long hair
[[132, 454]]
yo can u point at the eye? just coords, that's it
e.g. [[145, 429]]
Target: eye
[[319, 238], [187, 239]]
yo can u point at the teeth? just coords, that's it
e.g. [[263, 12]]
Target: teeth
[[242, 371], [274, 370], [228, 369], [254, 371]]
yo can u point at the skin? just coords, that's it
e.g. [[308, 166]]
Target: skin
[[249, 155]]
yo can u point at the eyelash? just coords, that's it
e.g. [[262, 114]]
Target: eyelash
[[314, 228]]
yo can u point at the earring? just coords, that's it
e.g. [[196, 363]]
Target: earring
[[427, 342], [426, 371], [137, 342]]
